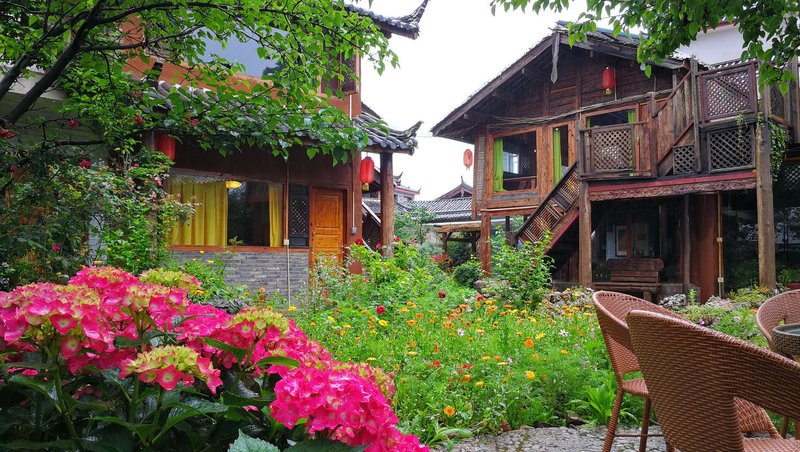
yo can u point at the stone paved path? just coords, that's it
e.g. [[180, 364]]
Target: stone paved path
[[555, 439]]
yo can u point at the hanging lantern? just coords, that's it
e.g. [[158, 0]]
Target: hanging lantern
[[166, 145], [367, 172], [232, 184], [467, 158], [609, 80]]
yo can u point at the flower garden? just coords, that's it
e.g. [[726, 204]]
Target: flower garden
[[406, 356]]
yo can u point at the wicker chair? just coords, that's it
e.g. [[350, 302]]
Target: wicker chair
[[612, 308], [782, 308], [695, 376]]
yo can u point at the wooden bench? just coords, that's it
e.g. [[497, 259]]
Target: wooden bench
[[633, 275]]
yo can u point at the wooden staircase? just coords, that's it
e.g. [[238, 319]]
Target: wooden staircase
[[556, 212]]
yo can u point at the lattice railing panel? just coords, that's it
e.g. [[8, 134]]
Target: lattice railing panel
[[612, 150], [298, 220], [683, 160], [730, 148], [729, 92], [789, 178], [777, 101]]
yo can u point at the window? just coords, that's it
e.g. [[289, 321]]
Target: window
[[560, 152], [298, 216], [250, 214], [345, 84], [611, 119], [515, 162]]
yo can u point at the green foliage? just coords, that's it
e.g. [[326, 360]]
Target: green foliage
[[751, 297], [467, 273], [63, 196], [779, 144], [458, 253], [520, 276], [598, 405], [770, 33], [211, 274], [246, 443], [413, 225]]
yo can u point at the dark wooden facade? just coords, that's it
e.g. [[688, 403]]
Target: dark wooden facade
[[646, 164]]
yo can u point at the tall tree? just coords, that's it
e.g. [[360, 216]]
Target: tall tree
[[87, 49], [769, 27]]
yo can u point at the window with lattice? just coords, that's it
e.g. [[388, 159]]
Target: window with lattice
[[515, 155], [298, 216]]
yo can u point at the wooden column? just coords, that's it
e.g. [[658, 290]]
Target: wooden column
[[387, 203], [584, 236], [484, 245], [686, 235], [764, 208]]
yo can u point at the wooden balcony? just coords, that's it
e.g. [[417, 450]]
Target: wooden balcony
[[705, 125]]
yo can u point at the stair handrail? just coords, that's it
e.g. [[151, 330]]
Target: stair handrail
[[542, 205]]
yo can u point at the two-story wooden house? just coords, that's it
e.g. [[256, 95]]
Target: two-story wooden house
[[639, 182]]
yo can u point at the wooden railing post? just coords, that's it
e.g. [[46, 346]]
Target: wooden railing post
[[695, 96], [764, 207]]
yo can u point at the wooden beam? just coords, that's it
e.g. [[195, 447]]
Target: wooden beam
[[387, 203], [764, 208], [503, 95], [584, 237], [477, 116]]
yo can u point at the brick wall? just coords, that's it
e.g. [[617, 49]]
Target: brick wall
[[256, 270]]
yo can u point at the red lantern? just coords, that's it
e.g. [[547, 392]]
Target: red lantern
[[367, 172], [166, 145], [609, 80], [468, 158]]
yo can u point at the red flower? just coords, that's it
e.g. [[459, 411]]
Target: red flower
[[7, 134], [359, 241], [138, 120], [13, 168], [56, 247], [85, 164], [480, 298], [73, 123], [379, 245], [380, 309], [435, 363], [396, 238], [442, 294]]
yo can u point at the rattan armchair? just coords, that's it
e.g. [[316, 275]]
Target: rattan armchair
[[696, 375], [782, 308], [612, 309]]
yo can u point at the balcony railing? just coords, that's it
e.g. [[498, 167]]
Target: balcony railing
[[616, 151]]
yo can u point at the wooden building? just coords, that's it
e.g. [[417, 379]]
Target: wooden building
[[631, 184]]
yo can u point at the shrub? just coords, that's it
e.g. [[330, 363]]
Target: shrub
[[467, 273], [110, 362], [520, 276]]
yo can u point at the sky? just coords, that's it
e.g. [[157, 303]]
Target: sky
[[461, 47]]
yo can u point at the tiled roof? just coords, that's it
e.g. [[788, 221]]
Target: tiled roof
[[446, 210], [374, 204], [407, 26], [379, 134]]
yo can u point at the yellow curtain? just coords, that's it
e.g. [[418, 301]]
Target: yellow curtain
[[209, 224], [275, 214]]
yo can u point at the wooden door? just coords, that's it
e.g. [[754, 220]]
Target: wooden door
[[327, 223]]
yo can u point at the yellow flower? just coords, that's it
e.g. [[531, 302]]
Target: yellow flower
[[371, 359], [528, 343], [485, 358], [364, 311], [331, 319], [539, 336], [502, 363], [382, 322], [346, 326], [564, 352], [479, 384], [412, 353], [479, 331], [449, 411], [533, 320], [404, 310], [201, 252], [312, 324], [413, 344], [536, 357], [291, 308], [530, 375]]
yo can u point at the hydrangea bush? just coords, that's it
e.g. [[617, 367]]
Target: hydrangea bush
[[110, 361]]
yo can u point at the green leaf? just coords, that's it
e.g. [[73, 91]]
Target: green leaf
[[324, 445], [277, 361], [47, 389], [192, 408], [25, 444], [235, 351], [246, 443], [231, 399]]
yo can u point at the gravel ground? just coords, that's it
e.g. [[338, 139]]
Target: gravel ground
[[555, 439]]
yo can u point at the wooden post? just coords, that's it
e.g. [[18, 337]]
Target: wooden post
[[764, 208], [686, 249], [584, 236], [387, 203], [484, 244]]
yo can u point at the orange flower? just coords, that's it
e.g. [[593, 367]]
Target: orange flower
[[449, 411], [530, 375], [529, 343]]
